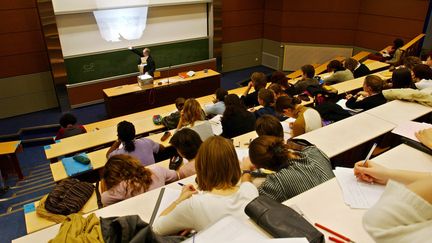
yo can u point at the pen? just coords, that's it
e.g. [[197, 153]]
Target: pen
[[333, 232], [181, 184], [334, 239], [370, 153]]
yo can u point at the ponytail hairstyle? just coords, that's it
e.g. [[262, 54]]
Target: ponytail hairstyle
[[270, 152], [126, 134], [286, 102], [126, 168]]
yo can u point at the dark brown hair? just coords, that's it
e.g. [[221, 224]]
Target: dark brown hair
[[308, 70], [220, 94], [286, 102], [217, 165], [422, 71], [411, 61], [374, 82], [269, 152], [126, 168], [279, 77], [259, 80], [187, 142], [350, 64], [277, 89], [335, 65], [269, 125], [401, 78], [179, 103], [267, 96]]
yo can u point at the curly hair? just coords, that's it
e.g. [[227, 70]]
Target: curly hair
[[126, 168]]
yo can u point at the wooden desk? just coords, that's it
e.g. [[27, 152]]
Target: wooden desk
[[34, 222], [376, 66], [133, 98], [398, 111], [324, 204], [361, 55], [346, 134], [10, 150]]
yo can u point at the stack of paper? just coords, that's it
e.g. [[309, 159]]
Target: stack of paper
[[286, 127], [409, 128], [216, 124], [357, 194]]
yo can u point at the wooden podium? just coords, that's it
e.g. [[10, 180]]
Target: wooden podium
[[132, 98]]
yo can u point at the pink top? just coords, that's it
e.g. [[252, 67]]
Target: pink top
[[160, 176], [187, 169]]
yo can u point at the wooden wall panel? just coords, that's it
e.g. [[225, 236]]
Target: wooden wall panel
[[242, 18], [21, 42], [336, 6], [318, 36], [241, 33], [21, 64], [237, 5], [16, 4], [405, 9], [18, 20]]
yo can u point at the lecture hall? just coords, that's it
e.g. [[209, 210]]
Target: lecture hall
[[216, 121]]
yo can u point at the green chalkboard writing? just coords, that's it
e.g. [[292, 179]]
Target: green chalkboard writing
[[104, 65]]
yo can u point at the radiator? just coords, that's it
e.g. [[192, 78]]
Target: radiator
[[270, 60], [296, 56]]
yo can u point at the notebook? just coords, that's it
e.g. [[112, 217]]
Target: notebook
[[73, 167]]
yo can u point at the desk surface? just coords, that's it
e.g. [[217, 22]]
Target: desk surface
[[9, 147], [126, 89], [346, 134], [398, 111], [324, 204]]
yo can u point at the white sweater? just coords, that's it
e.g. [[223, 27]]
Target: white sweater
[[400, 215], [204, 209], [423, 84]]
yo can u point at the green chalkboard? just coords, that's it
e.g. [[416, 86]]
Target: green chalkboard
[[104, 65]]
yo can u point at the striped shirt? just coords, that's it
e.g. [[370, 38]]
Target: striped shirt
[[312, 168]]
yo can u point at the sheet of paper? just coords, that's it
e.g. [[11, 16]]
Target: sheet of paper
[[169, 196], [286, 127], [216, 124], [357, 194], [242, 153], [342, 103], [409, 128], [229, 229]]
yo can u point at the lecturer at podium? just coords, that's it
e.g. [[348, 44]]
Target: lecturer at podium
[[146, 63]]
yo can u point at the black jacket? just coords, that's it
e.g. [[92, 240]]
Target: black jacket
[[238, 124], [367, 103], [150, 67], [361, 71]]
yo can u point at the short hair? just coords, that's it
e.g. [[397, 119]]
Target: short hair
[[286, 102], [279, 77], [398, 43], [374, 82], [67, 119], [220, 94], [187, 142], [401, 78], [126, 134], [411, 61], [269, 125], [308, 70], [217, 165], [276, 88], [422, 71], [146, 50], [267, 96], [350, 64], [259, 80], [179, 103], [269, 152], [335, 65]]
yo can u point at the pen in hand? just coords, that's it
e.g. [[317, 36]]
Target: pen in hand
[[369, 154]]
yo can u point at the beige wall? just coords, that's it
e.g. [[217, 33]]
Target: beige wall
[[26, 93], [241, 54]]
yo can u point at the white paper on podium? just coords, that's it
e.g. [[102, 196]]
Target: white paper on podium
[[357, 194]]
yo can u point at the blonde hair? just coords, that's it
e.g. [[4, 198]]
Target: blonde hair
[[217, 165], [192, 112]]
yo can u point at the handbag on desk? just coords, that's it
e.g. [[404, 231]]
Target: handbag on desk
[[281, 221]]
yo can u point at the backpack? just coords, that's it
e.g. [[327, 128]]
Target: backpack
[[69, 196]]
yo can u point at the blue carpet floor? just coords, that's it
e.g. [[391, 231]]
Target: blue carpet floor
[[35, 166]]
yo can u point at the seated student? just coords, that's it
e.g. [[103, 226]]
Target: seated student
[[266, 99], [279, 77], [340, 73], [142, 148], [236, 120], [358, 69], [187, 142], [172, 120], [298, 168], [404, 211], [428, 60], [69, 127], [307, 79], [395, 58], [277, 90], [393, 52], [217, 175], [307, 119], [191, 113], [218, 106], [125, 177], [370, 97], [258, 81], [422, 76], [402, 79], [269, 125], [411, 61]]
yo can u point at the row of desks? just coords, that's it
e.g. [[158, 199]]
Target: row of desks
[[323, 204]]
